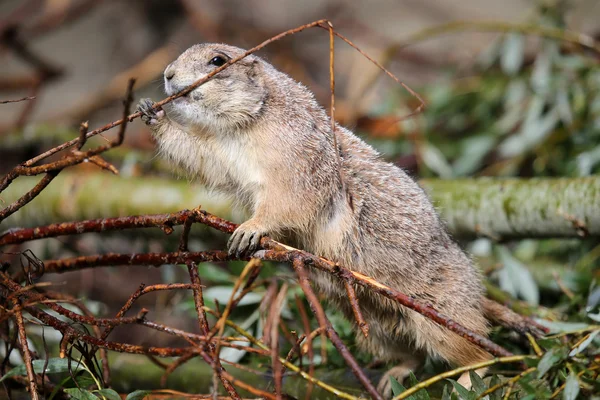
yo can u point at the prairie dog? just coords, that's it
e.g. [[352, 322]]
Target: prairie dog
[[256, 134]]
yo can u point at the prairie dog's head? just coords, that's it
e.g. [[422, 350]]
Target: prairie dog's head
[[233, 98]]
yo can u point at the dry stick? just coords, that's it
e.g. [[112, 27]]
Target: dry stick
[[26, 353], [17, 100], [83, 129], [203, 323], [163, 221], [18, 291], [331, 333], [71, 333], [275, 311], [156, 259], [27, 197], [79, 304], [388, 73], [309, 343], [52, 169], [190, 337], [10, 177], [362, 324], [220, 326], [291, 366], [296, 349], [233, 301]]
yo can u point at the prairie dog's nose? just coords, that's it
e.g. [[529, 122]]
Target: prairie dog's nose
[[169, 72]]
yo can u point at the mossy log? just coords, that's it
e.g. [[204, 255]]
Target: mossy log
[[497, 208], [511, 208]]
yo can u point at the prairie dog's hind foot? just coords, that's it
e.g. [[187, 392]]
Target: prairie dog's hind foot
[[400, 373], [150, 115]]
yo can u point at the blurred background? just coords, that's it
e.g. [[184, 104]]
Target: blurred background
[[512, 90]]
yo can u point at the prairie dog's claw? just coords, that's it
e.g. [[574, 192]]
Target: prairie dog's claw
[[150, 116], [245, 240]]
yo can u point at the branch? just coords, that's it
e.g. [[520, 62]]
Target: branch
[[501, 209], [519, 208], [276, 252]]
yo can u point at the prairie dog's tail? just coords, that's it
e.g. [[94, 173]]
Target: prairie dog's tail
[[503, 316]]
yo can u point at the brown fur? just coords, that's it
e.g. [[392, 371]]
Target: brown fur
[[258, 135]]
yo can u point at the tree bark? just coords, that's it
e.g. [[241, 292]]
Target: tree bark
[[498, 208], [510, 208]]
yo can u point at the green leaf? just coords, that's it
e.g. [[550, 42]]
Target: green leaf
[[214, 273], [583, 345], [446, 393], [511, 58], [80, 394], [397, 387], [435, 160], [222, 294], [421, 394], [516, 279], [478, 384], [571, 388], [108, 394], [463, 392], [496, 395], [548, 361], [138, 395], [55, 366]]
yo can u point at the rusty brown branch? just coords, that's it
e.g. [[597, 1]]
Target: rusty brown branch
[[317, 309], [83, 129], [33, 391], [51, 169], [360, 321], [156, 259], [173, 366], [27, 197], [309, 344], [275, 311], [213, 360], [17, 100], [163, 221]]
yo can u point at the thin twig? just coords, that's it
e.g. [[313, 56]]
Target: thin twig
[[17, 100], [26, 352], [331, 333], [323, 23]]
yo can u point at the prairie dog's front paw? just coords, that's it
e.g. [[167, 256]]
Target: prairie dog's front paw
[[150, 116], [245, 239]]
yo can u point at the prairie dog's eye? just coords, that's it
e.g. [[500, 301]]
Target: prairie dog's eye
[[217, 61]]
